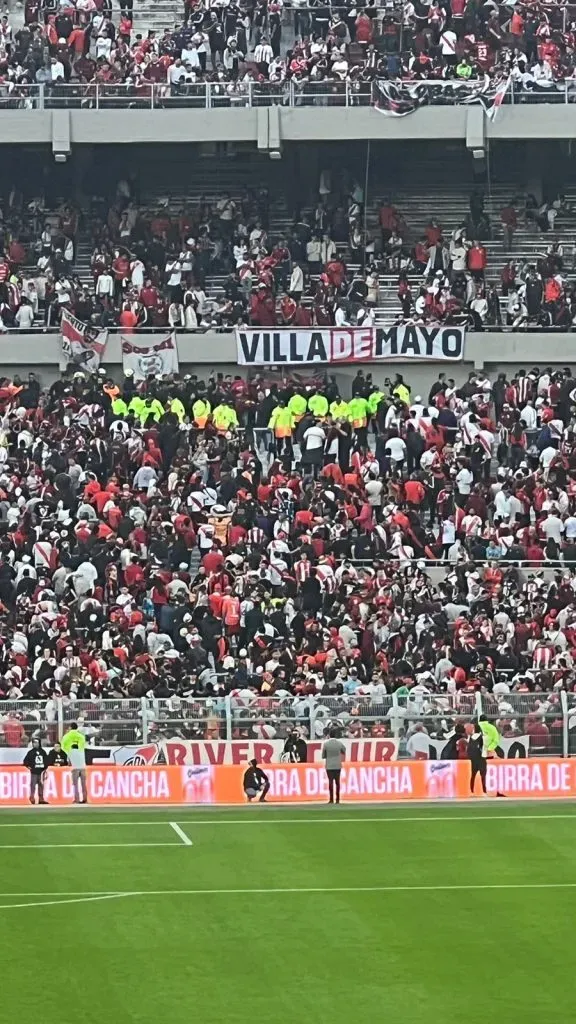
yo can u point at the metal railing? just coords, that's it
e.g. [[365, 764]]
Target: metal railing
[[40, 328], [250, 94], [199, 95], [531, 723]]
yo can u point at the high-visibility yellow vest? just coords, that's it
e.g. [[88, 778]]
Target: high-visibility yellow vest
[[297, 406], [358, 411], [224, 417], [201, 410], [339, 410], [318, 404], [281, 422]]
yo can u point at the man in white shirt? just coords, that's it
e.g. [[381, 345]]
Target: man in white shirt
[[373, 488], [296, 286], [570, 528], [546, 458], [418, 744], [396, 450], [464, 481], [104, 285], [502, 507], [263, 55], [176, 72], [530, 416], [56, 70], [25, 316], [553, 527]]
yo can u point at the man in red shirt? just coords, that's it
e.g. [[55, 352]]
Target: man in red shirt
[[415, 492], [477, 260]]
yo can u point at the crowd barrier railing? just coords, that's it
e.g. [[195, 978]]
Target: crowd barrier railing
[[251, 93], [231, 729]]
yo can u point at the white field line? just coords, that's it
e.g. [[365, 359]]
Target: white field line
[[81, 846], [95, 897], [180, 832], [56, 903], [304, 820]]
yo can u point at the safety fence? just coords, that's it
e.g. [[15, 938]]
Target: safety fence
[[252, 93], [230, 729]]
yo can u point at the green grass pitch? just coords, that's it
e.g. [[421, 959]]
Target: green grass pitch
[[408, 915]]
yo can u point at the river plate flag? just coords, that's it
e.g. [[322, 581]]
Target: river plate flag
[[82, 344]]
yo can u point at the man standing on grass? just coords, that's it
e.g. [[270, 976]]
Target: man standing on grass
[[482, 744], [36, 761], [476, 755], [334, 755], [491, 737], [74, 746]]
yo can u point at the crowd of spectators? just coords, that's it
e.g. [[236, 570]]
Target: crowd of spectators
[[183, 538], [232, 44], [221, 262], [448, 277]]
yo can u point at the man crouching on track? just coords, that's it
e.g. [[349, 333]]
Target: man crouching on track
[[255, 782]]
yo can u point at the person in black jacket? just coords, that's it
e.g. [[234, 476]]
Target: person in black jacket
[[57, 758], [295, 748], [255, 781], [476, 755], [36, 761]]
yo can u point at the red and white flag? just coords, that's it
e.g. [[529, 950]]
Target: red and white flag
[[498, 98], [82, 344], [159, 359]]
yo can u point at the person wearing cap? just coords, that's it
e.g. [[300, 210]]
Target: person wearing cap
[[255, 782], [338, 408]]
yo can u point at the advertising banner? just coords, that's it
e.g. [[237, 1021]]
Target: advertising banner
[[350, 345], [544, 778], [178, 752]]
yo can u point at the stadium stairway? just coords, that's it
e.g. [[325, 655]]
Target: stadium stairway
[[448, 203], [156, 15]]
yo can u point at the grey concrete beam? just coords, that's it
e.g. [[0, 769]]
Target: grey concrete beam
[[222, 124]]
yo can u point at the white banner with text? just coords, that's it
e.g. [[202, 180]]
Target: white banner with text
[[350, 345], [189, 752]]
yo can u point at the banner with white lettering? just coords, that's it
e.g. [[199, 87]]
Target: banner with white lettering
[[398, 99], [256, 347], [82, 344], [144, 360], [181, 752]]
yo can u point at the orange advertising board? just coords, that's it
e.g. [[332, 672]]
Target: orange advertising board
[[292, 783]]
